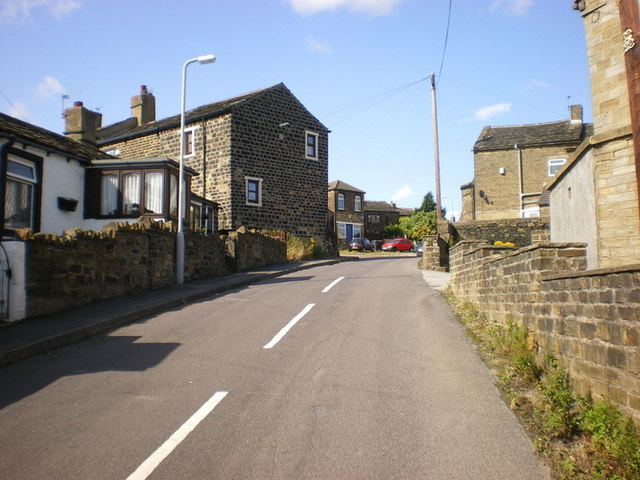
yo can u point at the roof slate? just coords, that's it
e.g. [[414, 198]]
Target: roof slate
[[117, 132], [48, 140], [377, 206], [340, 185], [535, 135]]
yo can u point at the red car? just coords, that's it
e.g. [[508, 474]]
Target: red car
[[397, 245]]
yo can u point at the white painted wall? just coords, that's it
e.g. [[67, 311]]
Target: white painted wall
[[573, 208], [17, 288]]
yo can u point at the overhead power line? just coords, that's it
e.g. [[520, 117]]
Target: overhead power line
[[446, 40]]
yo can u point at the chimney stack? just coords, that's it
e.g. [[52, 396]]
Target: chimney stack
[[575, 114], [143, 106], [82, 124]]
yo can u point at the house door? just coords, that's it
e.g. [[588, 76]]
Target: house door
[[5, 275], [349, 235]]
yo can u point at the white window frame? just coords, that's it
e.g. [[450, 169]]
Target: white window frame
[[192, 143], [340, 201], [554, 165], [247, 180], [31, 181], [314, 154], [357, 203]]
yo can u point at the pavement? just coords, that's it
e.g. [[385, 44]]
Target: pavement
[[46, 333]]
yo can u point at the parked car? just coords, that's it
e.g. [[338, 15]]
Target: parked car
[[361, 245], [419, 246], [397, 245]]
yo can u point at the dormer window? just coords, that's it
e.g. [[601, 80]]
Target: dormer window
[[311, 146]]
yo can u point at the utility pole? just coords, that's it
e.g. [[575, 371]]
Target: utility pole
[[436, 149]]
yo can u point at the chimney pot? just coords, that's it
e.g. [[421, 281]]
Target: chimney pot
[[78, 104], [143, 89]]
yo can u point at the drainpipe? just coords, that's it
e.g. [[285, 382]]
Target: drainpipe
[[5, 143], [520, 179]]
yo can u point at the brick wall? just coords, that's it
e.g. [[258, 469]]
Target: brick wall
[[82, 267], [589, 320]]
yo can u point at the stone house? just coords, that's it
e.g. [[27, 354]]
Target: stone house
[[47, 181], [262, 157], [48, 184], [379, 215], [594, 197], [346, 204], [512, 165]]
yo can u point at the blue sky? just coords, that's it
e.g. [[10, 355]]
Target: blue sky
[[360, 66]]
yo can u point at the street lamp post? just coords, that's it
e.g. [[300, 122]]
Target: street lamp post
[[203, 59]]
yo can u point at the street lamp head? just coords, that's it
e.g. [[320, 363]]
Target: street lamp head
[[204, 59]]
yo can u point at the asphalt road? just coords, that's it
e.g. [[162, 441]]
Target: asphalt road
[[353, 371]]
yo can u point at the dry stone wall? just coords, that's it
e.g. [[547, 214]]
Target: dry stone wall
[[83, 267], [589, 320]]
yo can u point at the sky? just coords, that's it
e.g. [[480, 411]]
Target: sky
[[362, 67]]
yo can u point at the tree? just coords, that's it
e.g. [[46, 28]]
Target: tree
[[429, 205]]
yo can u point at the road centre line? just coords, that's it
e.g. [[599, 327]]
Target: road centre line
[[288, 326], [150, 464], [332, 284]]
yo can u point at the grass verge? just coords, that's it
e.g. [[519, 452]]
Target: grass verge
[[581, 439]]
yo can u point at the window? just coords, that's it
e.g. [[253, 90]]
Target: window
[[340, 205], [20, 195], [358, 203], [357, 230], [254, 191], [342, 230], [131, 193], [555, 164], [190, 142], [153, 188], [311, 151], [203, 217]]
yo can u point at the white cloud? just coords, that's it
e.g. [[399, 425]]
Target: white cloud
[[486, 113], [315, 45], [403, 192], [62, 8], [20, 11], [514, 7], [49, 87], [369, 7]]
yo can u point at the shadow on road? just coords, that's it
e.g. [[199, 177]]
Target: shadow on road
[[101, 354]]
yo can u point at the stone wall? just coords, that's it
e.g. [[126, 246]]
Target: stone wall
[[435, 253], [251, 250], [519, 231], [82, 267], [588, 319]]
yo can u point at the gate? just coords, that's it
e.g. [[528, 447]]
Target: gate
[[5, 276]]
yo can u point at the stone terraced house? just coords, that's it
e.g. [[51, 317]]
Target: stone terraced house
[[512, 165], [262, 157], [346, 204]]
